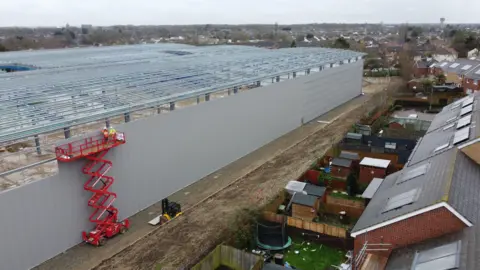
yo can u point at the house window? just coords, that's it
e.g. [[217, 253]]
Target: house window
[[391, 145], [444, 257]]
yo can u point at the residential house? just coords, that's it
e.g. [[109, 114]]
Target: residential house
[[436, 53], [421, 68], [371, 168], [397, 150], [427, 216], [471, 80], [463, 72]]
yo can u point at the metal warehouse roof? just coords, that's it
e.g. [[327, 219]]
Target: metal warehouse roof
[[77, 86]]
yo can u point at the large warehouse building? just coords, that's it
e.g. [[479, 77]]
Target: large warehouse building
[[270, 93]]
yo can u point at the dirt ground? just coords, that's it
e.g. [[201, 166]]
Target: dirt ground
[[211, 202]]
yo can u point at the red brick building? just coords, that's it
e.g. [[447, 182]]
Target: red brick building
[[341, 167], [372, 168], [421, 69], [427, 215], [471, 80]]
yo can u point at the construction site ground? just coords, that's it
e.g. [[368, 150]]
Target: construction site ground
[[210, 204]]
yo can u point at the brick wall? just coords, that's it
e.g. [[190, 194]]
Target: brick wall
[[471, 84], [367, 174], [420, 72], [425, 226]]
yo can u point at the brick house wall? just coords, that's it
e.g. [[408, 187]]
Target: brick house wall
[[419, 72], [413, 230], [367, 174], [340, 172], [471, 84]]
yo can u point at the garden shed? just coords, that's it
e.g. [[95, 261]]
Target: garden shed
[[305, 206]]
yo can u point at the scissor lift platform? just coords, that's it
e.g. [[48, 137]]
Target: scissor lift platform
[[104, 214]]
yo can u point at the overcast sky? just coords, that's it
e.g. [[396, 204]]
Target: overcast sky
[[154, 12]]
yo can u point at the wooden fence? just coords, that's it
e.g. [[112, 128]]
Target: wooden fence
[[231, 257], [341, 201], [336, 205], [307, 225]]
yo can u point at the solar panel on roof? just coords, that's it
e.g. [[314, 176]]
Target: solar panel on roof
[[442, 258], [451, 119], [466, 110], [441, 147], [461, 135], [400, 200], [466, 120], [455, 106], [449, 126], [413, 173], [467, 102]]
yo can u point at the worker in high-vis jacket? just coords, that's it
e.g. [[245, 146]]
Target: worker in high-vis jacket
[[105, 133], [112, 133]]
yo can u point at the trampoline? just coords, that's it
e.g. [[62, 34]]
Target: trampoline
[[272, 236]]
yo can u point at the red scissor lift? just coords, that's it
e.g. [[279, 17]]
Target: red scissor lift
[[105, 215]]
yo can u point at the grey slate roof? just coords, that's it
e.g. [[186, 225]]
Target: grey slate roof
[[473, 73], [349, 155], [463, 197], [314, 190], [459, 68], [437, 137], [432, 186], [451, 111], [302, 199], [342, 162]]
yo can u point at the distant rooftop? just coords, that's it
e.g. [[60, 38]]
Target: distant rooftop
[[77, 86]]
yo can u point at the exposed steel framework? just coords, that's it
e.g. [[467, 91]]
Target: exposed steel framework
[[104, 215]]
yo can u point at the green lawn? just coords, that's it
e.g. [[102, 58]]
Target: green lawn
[[312, 256]]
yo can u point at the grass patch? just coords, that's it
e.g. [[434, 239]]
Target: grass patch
[[343, 196], [313, 256]]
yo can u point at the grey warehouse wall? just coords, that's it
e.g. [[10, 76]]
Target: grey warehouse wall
[[163, 154]]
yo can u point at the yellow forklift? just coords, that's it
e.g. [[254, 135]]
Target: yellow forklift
[[170, 210]]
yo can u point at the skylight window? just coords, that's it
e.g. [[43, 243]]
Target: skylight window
[[441, 147], [455, 106], [461, 135], [477, 72], [466, 67], [413, 173], [401, 200], [443, 64], [444, 257], [467, 102], [466, 110], [451, 119], [464, 121], [449, 126], [454, 65]]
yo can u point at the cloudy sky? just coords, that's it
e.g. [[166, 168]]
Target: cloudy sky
[[108, 12]]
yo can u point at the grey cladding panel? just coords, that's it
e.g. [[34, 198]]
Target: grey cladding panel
[[163, 154], [337, 85]]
